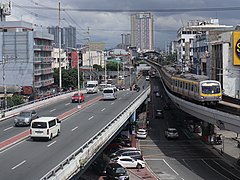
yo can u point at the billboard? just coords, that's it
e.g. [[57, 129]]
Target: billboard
[[236, 48]]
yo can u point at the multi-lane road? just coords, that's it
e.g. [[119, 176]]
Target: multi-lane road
[[33, 159]]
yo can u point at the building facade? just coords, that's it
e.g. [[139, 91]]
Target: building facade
[[186, 35], [225, 62], [68, 36], [25, 57], [142, 31]]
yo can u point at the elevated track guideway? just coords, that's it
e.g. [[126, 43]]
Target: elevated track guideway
[[227, 116]]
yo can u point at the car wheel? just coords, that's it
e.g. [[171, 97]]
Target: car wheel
[[51, 137], [139, 166], [58, 132]]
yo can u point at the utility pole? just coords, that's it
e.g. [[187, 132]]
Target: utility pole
[[4, 83], [90, 64], [59, 50]]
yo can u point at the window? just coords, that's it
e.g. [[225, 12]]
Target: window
[[40, 125], [52, 123]]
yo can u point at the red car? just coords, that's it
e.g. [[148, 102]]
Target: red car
[[77, 98]]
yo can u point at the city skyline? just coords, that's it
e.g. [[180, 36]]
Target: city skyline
[[107, 20]]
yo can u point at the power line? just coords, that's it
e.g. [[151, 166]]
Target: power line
[[139, 10]]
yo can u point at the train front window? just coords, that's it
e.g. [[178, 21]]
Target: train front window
[[212, 89]]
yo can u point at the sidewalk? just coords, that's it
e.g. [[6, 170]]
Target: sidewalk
[[229, 150], [144, 173]]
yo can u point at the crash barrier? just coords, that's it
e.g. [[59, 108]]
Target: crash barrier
[[76, 162], [31, 104]]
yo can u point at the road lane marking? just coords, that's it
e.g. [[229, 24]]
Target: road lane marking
[[120, 98], [51, 143], [52, 110], [112, 103], [90, 118], [18, 164], [226, 169], [215, 170], [74, 128], [67, 104], [8, 128], [170, 167], [103, 109]]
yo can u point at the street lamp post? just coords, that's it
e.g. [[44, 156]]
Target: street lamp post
[[105, 68], [78, 70], [59, 51]]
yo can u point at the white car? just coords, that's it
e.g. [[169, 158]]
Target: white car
[[171, 133], [147, 78], [142, 133], [128, 162]]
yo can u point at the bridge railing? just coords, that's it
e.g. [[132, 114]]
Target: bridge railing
[[76, 162]]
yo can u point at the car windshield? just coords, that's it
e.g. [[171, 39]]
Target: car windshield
[[120, 170], [76, 94], [25, 114]]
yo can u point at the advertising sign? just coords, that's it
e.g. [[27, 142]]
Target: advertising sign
[[236, 48]]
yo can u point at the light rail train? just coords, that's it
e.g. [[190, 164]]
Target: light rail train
[[191, 86]]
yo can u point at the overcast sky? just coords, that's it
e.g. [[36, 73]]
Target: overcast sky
[[108, 26]]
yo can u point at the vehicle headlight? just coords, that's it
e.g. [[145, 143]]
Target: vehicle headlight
[[202, 97]]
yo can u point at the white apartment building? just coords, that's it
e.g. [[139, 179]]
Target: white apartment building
[[63, 57], [142, 31]]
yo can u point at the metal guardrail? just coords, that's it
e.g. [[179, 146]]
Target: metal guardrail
[[75, 162], [8, 111]]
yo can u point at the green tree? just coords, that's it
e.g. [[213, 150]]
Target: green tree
[[98, 67], [15, 100], [69, 78], [112, 66]]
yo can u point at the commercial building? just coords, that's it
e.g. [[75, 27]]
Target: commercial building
[[186, 35], [142, 31], [25, 57], [224, 58]]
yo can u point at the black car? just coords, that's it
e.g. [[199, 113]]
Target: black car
[[116, 171], [99, 166]]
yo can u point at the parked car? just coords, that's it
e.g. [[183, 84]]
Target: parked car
[[129, 162], [78, 97], [171, 133], [99, 166], [142, 133], [147, 78], [159, 113], [118, 152], [25, 118], [133, 154], [116, 171]]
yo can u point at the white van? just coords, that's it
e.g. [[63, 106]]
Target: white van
[[109, 94], [45, 127]]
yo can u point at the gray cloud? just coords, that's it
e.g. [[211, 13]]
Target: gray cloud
[[108, 26]]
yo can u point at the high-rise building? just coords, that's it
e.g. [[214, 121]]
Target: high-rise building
[[142, 31], [68, 36]]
